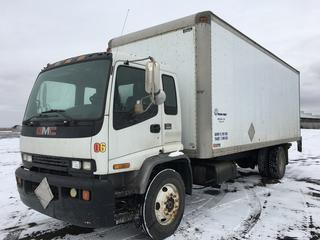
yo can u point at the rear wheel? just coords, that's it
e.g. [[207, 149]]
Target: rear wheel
[[263, 162], [163, 205], [277, 162]]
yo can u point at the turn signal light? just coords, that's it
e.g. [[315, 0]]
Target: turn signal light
[[121, 166], [85, 195]]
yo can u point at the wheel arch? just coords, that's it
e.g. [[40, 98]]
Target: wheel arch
[[155, 164]]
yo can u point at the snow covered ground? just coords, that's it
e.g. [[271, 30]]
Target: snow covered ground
[[247, 208]]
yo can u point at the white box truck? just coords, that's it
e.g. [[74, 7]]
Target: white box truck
[[122, 135]]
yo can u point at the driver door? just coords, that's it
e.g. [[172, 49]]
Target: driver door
[[132, 136]]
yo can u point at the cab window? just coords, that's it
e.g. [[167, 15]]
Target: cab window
[[129, 89], [170, 105]]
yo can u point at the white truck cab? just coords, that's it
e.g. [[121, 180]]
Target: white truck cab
[[122, 135], [89, 128]]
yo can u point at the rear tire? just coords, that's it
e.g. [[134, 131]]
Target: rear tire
[[277, 162], [163, 205], [263, 162]]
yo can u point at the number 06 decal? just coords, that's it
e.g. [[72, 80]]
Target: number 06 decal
[[99, 147]]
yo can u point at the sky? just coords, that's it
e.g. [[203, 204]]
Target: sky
[[36, 32]]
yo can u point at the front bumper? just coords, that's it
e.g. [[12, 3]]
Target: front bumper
[[98, 212]]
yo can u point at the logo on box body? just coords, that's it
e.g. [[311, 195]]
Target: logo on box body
[[220, 116]]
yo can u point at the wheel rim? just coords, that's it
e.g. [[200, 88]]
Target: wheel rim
[[167, 204]]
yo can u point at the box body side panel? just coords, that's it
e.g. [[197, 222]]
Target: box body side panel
[[255, 99]]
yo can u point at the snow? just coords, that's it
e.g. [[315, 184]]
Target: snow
[[247, 208], [307, 163], [175, 154]]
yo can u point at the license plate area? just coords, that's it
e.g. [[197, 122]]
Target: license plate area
[[44, 193], [30, 187]]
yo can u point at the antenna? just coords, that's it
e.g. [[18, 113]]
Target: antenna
[[124, 24], [125, 21]]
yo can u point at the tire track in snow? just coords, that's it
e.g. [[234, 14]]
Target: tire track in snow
[[248, 223], [15, 234]]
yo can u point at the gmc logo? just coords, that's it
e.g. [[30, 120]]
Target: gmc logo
[[46, 131]]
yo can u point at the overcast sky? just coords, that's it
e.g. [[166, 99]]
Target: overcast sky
[[33, 33]]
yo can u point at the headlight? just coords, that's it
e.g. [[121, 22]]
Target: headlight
[[26, 157], [86, 165], [76, 164], [29, 158]]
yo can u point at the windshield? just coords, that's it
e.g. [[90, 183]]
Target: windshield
[[75, 91]]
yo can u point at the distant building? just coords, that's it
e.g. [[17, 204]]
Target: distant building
[[15, 128], [309, 120]]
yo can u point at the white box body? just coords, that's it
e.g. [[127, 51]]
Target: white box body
[[235, 95]]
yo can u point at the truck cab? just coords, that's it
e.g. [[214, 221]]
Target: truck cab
[[93, 138]]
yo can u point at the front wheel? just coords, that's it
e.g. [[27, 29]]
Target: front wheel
[[163, 205]]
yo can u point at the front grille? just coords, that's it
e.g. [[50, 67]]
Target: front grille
[[58, 165], [51, 163]]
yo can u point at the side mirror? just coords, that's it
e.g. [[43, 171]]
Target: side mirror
[[160, 98], [152, 79]]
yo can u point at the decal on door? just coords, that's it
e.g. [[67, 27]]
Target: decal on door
[[99, 147]]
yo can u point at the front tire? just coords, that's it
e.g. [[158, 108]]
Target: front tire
[[163, 205]]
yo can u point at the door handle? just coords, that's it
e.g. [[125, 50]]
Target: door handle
[[155, 128]]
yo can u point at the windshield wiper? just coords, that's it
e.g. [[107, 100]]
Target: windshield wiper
[[61, 113], [40, 115], [44, 115]]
